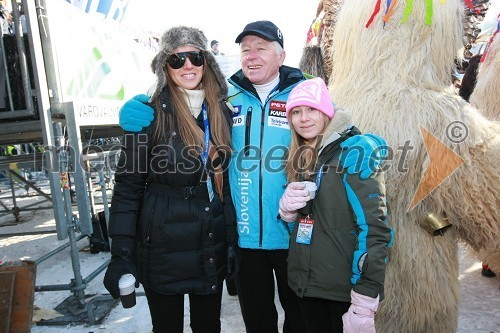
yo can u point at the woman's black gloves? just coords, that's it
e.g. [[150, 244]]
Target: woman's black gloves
[[233, 252], [122, 249], [233, 261]]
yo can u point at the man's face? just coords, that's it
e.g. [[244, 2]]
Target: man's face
[[260, 60]]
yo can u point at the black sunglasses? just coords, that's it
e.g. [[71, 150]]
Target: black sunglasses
[[177, 60]]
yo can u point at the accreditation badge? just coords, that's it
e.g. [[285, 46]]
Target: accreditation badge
[[304, 233]]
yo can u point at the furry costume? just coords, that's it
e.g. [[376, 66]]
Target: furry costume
[[485, 96], [395, 78], [469, 79], [316, 57]]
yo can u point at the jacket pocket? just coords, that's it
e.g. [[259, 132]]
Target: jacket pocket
[[248, 128]]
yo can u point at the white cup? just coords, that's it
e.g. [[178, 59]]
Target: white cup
[[311, 187], [127, 290]]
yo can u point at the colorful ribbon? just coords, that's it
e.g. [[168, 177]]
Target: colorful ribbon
[[483, 57], [408, 10], [390, 11], [375, 12]]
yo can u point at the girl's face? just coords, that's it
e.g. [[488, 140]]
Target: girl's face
[[308, 122], [188, 76]]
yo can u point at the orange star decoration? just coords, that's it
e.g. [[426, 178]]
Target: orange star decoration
[[443, 162]]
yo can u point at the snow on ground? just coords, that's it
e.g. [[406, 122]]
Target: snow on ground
[[479, 308]]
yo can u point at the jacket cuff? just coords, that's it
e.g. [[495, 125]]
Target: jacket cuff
[[288, 216]]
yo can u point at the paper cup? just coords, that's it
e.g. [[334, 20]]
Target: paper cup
[[311, 187], [127, 290]]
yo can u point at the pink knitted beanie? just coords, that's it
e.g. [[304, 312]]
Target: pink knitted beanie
[[312, 93]]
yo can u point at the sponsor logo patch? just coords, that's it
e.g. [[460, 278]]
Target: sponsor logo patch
[[236, 109], [277, 115], [238, 120], [277, 105]]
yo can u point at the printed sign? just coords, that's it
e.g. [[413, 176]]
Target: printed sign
[[97, 58]]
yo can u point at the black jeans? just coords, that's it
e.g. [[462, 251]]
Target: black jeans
[[323, 315], [167, 312], [256, 292]]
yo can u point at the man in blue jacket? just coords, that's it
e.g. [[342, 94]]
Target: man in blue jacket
[[260, 138]]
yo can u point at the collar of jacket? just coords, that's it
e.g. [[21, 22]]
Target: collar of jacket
[[167, 107], [342, 120], [331, 146], [165, 100], [288, 77]]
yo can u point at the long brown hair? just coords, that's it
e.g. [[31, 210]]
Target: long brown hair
[[301, 157], [185, 123]]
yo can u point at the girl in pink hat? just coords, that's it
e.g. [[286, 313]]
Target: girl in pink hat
[[339, 245]]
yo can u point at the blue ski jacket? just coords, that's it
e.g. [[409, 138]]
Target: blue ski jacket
[[260, 137]]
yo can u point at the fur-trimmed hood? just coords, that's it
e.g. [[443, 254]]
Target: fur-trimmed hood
[[340, 122], [184, 36]]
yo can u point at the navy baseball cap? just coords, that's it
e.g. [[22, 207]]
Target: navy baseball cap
[[264, 29]]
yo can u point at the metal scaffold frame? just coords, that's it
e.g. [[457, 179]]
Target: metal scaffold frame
[[48, 119]]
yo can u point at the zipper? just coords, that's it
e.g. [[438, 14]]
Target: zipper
[[148, 229], [248, 123], [262, 118]]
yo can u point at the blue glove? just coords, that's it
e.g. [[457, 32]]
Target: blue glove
[[363, 154], [135, 114]]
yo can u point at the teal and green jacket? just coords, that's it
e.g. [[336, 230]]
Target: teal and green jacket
[[350, 236], [260, 137]]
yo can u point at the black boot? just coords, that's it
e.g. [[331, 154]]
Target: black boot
[[231, 287]]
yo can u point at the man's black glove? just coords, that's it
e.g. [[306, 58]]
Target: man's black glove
[[122, 248], [233, 261]]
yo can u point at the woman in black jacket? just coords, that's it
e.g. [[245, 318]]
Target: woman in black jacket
[[172, 220]]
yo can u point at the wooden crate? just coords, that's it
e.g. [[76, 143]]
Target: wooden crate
[[23, 296], [6, 296]]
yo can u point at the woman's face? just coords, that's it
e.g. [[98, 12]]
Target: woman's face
[[188, 76], [308, 122]]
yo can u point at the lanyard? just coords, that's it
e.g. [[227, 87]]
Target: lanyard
[[204, 155], [320, 171], [318, 178]]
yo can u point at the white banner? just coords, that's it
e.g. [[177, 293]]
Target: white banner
[[98, 59]]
